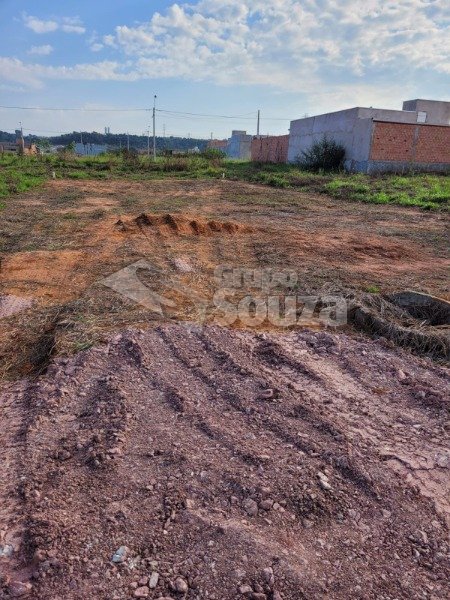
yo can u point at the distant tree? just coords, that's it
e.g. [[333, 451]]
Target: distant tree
[[43, 144]]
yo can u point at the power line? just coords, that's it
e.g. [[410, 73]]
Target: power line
[[189, 114], [166, 112], [77, 109]]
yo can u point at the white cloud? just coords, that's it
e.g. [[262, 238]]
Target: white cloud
[[335, 49], [109, 40], [39, 26], [73, 29], [44, 50], [288, 44], [13, 69], [72, 25], [66, 24]]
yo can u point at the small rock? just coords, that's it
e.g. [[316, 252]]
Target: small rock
[[443, 461], [6, 551], [266, 504], [323, 481], [141, 592], [180, 585], [266, 394], [325, 485], [245, 590], [183, 265], [259, 596], [401, 375], [17, 589], [120, 555], [277, 596], [143, 581], [154, 578], [268, 575], [250, 507]]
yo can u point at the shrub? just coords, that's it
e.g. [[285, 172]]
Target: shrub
[[130, 157], [213, 153], [176, 164], [323, 155]]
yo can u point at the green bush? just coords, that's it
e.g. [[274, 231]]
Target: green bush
[[323, 155]]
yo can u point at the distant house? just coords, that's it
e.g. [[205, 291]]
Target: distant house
[[20, 146], [272, 149], [90, 149], [217, 145], [378, 140], [239, 145]]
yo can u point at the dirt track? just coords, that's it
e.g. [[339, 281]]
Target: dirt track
[[220, 463], [241, 465]]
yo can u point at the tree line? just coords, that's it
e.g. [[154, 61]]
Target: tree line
[[115, 140]]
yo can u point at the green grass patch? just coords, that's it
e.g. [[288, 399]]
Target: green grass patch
[[426, 191]]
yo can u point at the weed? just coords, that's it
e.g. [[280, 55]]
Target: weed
[[373, 289]]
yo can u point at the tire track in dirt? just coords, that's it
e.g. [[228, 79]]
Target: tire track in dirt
[[160, 441]]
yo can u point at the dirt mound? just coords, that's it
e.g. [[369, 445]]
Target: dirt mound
[[170, 224], [409, 319], [199, 462]]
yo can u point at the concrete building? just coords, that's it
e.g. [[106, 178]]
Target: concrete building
[[239, 145], [380, 140], [432, 111], [272, 148]]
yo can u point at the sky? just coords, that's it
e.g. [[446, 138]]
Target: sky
[[225, 58]]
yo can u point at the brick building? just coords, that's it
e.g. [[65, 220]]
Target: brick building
[[20, 146], [273, 149], [380, 140], [217, 145]]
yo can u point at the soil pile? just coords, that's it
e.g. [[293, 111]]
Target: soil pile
[[170, 224]]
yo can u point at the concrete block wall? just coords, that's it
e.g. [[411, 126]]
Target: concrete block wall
[[239, 145], [352, 128], [437, 112], [272, 149]]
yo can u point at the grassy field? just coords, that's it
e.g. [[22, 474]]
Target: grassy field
[[430, 192]]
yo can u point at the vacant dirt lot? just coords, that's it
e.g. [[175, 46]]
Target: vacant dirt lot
[[60, 242], [175, 460]]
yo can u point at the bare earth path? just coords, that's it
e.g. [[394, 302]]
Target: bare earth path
[[232, 465]]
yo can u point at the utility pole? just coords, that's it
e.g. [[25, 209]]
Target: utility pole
[[154, 127], [257, 125], [164, 130], [81, 136], [128, 141], [148, 141]]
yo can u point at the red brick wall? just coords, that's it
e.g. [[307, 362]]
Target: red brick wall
[[434, 144], [217, 144], [406, 142], [270, 149]]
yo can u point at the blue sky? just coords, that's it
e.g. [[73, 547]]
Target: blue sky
[[221, 57]]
